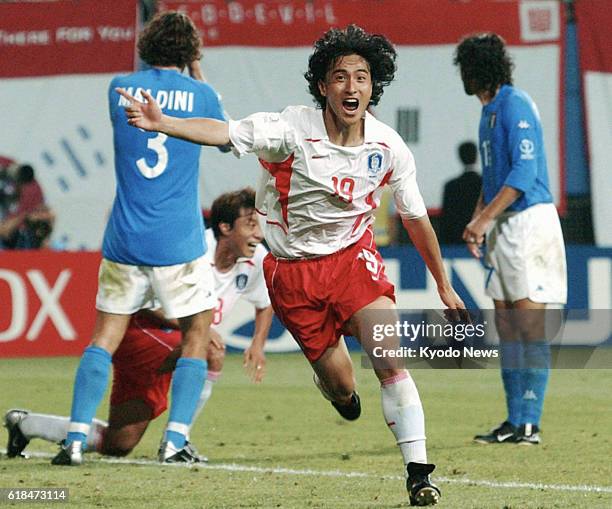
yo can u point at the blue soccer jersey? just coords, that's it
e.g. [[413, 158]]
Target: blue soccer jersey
[[512, 149], [156, 218]]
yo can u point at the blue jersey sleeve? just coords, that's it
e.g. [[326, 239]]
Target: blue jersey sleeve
[[522, 124], [214, 108]]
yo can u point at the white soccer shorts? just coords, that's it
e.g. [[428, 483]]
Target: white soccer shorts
[[526, 257], [181, 290]]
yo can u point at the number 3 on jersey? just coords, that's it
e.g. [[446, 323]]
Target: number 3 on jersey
[[155, 144]]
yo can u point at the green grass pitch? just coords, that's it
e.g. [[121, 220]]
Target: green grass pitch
[[281, 445]]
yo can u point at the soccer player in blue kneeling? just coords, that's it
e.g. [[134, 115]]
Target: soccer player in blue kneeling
[[525, 250], [154, 245]]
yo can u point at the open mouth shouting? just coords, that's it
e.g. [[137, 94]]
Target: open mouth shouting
[[350, 105]]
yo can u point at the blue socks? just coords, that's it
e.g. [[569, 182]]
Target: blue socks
[[535, 380], [525, 366], [89, 387], [187, 384], [512, 377]]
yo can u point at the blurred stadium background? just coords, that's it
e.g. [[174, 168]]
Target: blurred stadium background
[[57, 58]]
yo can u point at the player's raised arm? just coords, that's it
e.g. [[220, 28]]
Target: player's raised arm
[[148, 116]]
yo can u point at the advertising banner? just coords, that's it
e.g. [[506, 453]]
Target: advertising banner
[[47, 302], [67, 37], [47, 299], [256, 53]]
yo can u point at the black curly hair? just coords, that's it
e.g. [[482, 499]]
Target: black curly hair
[[169, 39], [484, 62], [226, 208], [353, 40]]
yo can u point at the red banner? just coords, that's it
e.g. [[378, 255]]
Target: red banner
[[594, 22], [67, 37], [594, 19], [47, 302], [414, 22]]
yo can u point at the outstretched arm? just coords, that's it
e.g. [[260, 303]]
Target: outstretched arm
[[148, 116]]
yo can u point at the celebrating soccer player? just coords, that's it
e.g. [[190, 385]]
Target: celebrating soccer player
[[325, 168]]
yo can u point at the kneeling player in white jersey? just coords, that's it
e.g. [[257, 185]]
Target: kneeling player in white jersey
[[143, 363], [324, 172]]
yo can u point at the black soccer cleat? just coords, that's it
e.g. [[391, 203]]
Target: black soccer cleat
[[69, 454], [421, 490], [168, 453], [352, 411], [198, 458], [17, 441], [505, 433], [528, 434]]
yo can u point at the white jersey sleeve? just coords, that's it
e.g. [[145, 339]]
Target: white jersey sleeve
[[268, 135], [408, 200]]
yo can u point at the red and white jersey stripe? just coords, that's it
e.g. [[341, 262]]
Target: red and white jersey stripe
[[316, 197]]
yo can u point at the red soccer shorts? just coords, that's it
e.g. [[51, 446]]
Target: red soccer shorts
[[315, 297], [137, 361]]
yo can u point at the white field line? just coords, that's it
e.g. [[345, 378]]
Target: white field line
[[233, 467]]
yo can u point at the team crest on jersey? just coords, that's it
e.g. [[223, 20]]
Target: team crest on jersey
[[241, 281], [374, 164], [527, 149]]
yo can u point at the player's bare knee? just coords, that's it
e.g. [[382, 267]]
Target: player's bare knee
[[340, 388], [117, 452], [120, 441], [383, 373], [506, 328], [195, 325], [534, 333], [118, 447]]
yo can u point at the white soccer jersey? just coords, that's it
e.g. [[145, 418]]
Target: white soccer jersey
[[244, 280], [317, 197]]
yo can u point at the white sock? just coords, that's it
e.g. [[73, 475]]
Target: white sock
[[211, 378], [96, 435], [403, 413], [53, 428]]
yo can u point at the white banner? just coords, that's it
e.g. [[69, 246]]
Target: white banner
[[60, 125], [594, 20], [598, 98]]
